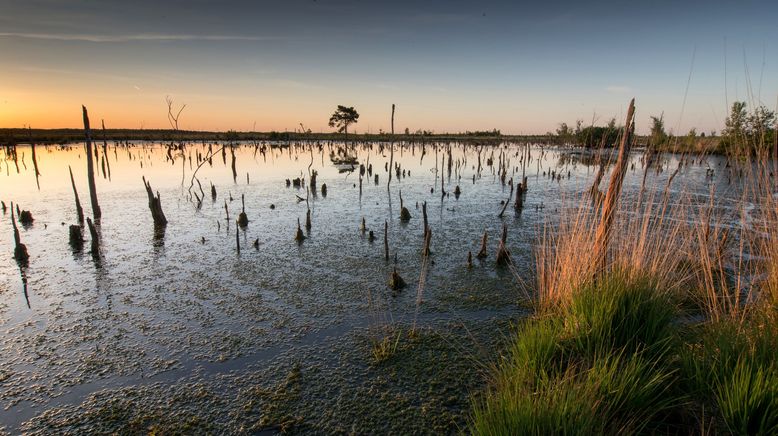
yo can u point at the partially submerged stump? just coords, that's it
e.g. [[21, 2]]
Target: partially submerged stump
[[2, 203], [299, 236], [95, 250], [469, 259], [213, 192], [323, 189], [405, 214], [482, 253], [370, 236], [457, 192], [363, 227], [243, 220], [76, 237], [20, 250], [25, 218], [308, 220], [396, 282], [155, 205]]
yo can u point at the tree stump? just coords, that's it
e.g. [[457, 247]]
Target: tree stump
[[20, 250], [396, 282], [76, 237], [155, 205], [482, 252]]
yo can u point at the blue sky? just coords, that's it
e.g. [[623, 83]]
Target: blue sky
[[447, 65]]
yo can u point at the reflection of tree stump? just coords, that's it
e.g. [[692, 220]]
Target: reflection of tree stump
[[155, 205]]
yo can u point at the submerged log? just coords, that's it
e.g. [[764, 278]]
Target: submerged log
[[79, 210], [20, 250], [90, 171], [155, 205]]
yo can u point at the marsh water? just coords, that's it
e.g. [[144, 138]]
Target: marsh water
[[179, 321]]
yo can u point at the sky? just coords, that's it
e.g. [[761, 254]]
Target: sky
[[449, 66]]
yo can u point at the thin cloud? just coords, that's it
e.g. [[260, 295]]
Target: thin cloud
[[133, 38]]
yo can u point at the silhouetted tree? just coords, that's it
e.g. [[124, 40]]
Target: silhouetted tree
[[342, 117]]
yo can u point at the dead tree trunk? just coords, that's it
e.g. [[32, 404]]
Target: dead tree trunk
[[391, 153], [35, 161], [155, 205], [90, 170], [79, 210], [602, 237]]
